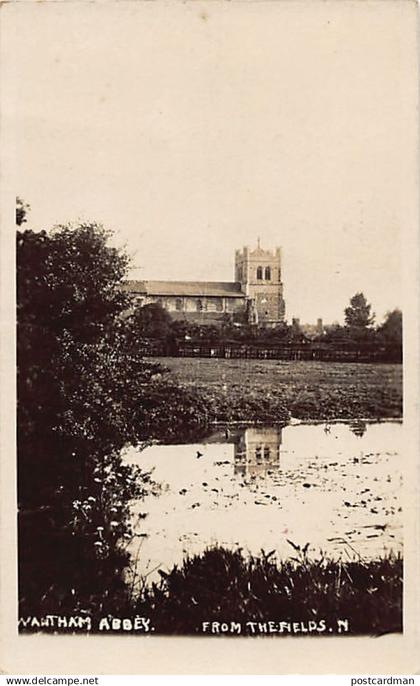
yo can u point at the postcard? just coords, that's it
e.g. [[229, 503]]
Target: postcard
[[210, 337]]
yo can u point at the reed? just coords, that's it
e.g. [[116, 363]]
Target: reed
[[222, 585]]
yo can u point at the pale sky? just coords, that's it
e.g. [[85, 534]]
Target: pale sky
[[193, 128]]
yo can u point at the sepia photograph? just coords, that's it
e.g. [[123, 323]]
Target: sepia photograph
[[212, 204]]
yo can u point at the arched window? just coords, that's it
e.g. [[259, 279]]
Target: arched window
[[268, 273], [266, 452], [258, 454], [219, 305], [178, 304], [199, 305], [259, 273]]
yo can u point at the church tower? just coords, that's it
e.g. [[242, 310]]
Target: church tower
[[259, 273]]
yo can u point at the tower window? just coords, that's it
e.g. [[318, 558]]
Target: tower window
[[259, 273], [268, 273]]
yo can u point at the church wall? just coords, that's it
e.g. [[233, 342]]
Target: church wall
[[196, 305], [207, 318]]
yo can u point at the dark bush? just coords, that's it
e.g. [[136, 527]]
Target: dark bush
[[84, 392]]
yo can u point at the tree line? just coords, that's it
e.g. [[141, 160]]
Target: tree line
[[152, 322]]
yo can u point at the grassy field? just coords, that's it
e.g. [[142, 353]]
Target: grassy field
[[255, 390]]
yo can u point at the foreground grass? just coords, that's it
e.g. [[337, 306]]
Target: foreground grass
[[323, 596], [224, 592], [271, 390]]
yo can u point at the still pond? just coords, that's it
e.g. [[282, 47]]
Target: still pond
[[335, 486]]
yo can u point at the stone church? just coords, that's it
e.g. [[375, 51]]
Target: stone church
[[256, 295]]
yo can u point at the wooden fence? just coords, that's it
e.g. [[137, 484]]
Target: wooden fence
[[258, 352]]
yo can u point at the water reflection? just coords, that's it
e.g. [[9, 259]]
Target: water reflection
[[257, 451], [358, 427], [258, 487]]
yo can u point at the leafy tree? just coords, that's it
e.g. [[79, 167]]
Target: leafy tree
[[84, 392], [358, 312], [391, 329], [22, 209], [389, 334], [182, 329], [74, 414], [68, 281], [152, 321]]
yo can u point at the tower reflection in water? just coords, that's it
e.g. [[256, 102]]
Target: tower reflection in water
[[257, 451]]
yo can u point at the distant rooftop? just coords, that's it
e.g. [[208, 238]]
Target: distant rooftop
[[227, 289]]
